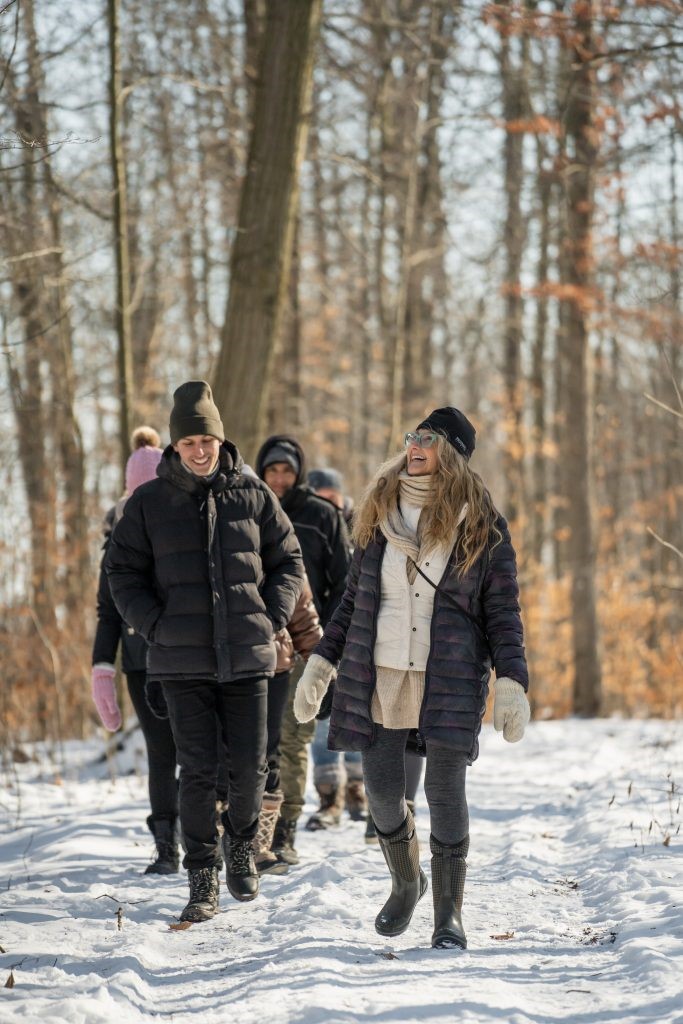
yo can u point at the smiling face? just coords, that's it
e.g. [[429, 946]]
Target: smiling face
[[280, 477], [198, 453], [421, 461]]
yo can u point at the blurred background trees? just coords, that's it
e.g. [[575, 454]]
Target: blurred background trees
[[468, 204]]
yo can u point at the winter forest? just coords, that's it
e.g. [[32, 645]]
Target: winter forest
[[343, 214], [470, 203]]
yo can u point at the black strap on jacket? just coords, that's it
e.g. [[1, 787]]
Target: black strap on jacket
[[451, 600]]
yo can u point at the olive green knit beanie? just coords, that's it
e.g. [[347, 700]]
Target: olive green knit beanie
[[194, 412]]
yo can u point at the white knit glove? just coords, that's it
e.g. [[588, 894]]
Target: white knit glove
[[312, 687], [511, 711]]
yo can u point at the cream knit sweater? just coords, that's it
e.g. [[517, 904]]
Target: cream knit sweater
[[403, 632]]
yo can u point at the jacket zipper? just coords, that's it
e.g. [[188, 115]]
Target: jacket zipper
[[378, 581]]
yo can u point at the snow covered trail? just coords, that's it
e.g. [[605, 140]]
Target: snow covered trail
[[573, 906]]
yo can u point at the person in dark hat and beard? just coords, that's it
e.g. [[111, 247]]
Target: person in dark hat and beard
[[326, 550], [430, 606], [206, 567]]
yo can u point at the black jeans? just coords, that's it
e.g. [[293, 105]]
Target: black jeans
[[278, 687], [204, 715], [161, 756]]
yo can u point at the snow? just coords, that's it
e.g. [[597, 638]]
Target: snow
[[573, 906]]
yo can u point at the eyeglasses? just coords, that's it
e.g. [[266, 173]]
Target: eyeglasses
[[421, 440]]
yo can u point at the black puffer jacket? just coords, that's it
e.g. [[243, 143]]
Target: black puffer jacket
[[111, 629], [464, 644], [321, 531], [206, 571]]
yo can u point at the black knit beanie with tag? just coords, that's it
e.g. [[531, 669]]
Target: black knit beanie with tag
[[194, 412], [455, 426]]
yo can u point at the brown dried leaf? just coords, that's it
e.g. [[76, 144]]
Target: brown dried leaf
[[180, 926], [505, 935], [10, 981]]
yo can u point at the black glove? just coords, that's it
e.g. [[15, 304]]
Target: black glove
[[156, 702]]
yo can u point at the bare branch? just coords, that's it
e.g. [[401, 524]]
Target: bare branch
[[674, 412], [664, 543]]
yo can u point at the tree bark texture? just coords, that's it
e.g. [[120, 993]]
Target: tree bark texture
[[582, 139], [120, 211], [260, 259], [515, 106]]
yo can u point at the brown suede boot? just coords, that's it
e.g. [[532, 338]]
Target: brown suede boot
[[356, 804], [331, 805], [266, 861]]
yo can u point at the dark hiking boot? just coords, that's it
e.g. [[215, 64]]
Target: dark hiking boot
[[356, 804], [164, 828], [330, 811], [449, 867], [203, 902], [240, 869], [283, 841], [371, 837], [267, 862], [408, 880]]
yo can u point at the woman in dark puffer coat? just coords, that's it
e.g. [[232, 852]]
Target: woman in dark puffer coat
[[430, 606]]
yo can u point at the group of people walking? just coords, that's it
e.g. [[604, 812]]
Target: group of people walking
[[221, 582]]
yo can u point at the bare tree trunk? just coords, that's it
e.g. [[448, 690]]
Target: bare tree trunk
[[425, 313], [538, 389], [515, 106], [260, 261], [120, 211], [582, 138]]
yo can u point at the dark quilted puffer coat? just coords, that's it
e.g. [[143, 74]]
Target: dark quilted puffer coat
[[484, 629], [206, 571]]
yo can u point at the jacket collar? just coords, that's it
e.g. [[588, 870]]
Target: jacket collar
[[230, 464]]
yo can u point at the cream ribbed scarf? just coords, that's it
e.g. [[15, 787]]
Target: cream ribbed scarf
[[414, 491]]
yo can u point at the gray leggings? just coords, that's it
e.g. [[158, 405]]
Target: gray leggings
[[385, 782]]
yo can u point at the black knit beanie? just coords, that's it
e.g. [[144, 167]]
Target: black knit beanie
[[194, 412], [456, 427]]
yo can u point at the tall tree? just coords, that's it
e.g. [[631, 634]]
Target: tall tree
[[579, 288], [261, 253], [118, 165]]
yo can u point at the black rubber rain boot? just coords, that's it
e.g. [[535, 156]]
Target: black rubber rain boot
[[164, 828], [449, 867], [203, 902], [408, 880]]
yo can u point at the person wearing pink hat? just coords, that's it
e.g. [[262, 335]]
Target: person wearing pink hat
[[112, 631]]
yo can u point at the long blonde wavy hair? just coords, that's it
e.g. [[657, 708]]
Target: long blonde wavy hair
[[453, 484]]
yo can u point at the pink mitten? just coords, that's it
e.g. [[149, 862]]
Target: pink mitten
[[104, 695]]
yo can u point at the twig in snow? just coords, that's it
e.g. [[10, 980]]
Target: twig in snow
[[126, 903]]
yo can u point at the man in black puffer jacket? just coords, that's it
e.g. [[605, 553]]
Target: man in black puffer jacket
[[206, 567], [326, 550]]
